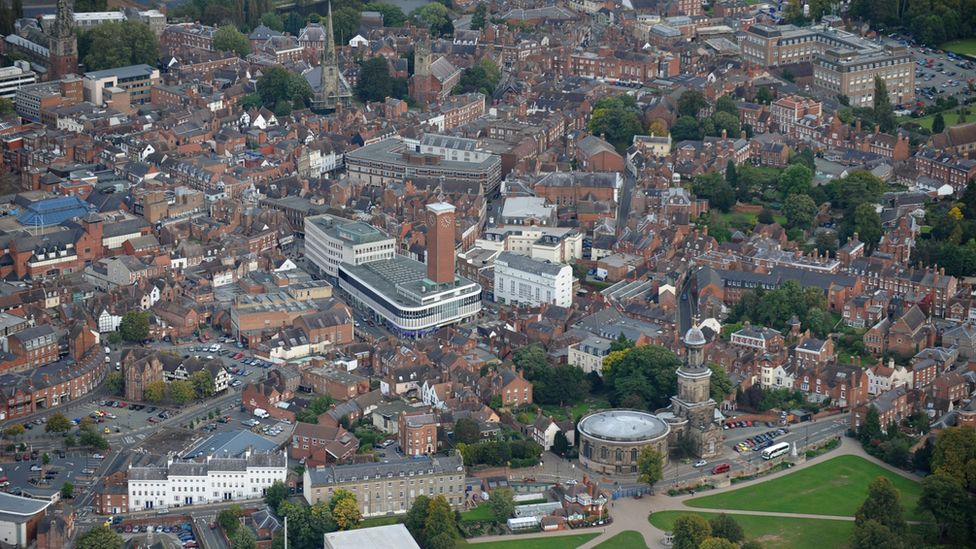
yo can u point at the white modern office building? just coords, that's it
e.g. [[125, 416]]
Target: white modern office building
[[330, 241], [15, 77], [412, 298], [180, 483], [521, 280]]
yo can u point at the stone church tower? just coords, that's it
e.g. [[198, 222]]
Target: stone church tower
[[333, 91], [63, 44], [693, 404]]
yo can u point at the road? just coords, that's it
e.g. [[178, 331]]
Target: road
[[626, 197], [686, 306]]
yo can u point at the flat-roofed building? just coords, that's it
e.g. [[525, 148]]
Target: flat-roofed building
[[521, 280], [138, 80], [330, 241], [396, 159]]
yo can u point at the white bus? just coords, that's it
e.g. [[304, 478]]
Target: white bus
[[776, 450]]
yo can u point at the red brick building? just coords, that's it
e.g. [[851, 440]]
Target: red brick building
[[418, 433], [322, 444]]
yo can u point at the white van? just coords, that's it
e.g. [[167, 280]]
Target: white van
[[261, 413]]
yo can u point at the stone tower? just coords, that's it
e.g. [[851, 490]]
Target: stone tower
[[422, 56], [63, 44], [332, 91], [693, 403]]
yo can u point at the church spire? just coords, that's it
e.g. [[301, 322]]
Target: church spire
[[329, 51], [64, 22]]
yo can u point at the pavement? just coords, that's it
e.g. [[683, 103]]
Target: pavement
[[632, 515]]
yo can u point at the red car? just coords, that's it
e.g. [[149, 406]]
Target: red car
[[122, 405], [213, 525]]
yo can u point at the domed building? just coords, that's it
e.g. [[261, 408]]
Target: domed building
[[611, 440]]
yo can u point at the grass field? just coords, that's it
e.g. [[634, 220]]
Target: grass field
[[624, 540], [965, 47], [950, 118], [835, 487], [379, 521], [775, 532], [744, 220], [553, 542], [479, 513]]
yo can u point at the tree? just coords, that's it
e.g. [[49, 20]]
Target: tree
[[135, 324], [480, 16], [435, 17], [724, 526], [294, 23], [99, 537], [374, 82], [92, 439], [416, 516], [243, 539], [617, 119], [502, 504], [938, 123], [344, 509], [46, 459], [884, 112], [482, 77], [800, 211], [867, 224], [14, 431], [690, 531], [658, 127], [67, 490], [795, 179], [57, 423], [115, 382], [720, 385], [318, 406], [560, 444], [882, 505], [650, 466], [731, 175], [17, 9], [273, 21], [155, 391], [203, 384], [871, 428], [717, 543], [950, 505], [871, 535], [691, 103], [119, 44], [955, 455], [230, 519], [275, 494], [277, 84], [466, 431], [393, 16], [440, 522], [764, 96], [648, 372], [724, 122], [228, 38], [181, 391], [686, 128], [726, 104]]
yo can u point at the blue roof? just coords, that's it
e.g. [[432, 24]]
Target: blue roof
[[53, 211]]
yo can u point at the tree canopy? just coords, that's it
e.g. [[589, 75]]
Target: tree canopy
[[617, 119], [650, 465], [642, 377], [99, 537], [436, 17], [118, 44], [279, 85], [690, 531], [482, 77], [502, 504], [774, 308], [228, 38], [134, 326], [393, 16]]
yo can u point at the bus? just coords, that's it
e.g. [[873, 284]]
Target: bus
[[776, 450]]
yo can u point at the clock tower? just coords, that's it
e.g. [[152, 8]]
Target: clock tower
[[440, 243]]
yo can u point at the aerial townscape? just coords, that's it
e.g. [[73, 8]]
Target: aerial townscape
[[429, 274]]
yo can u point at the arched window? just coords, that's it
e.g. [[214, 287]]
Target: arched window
[[604, 452], [587, 450], [620, 454], [633, 455]]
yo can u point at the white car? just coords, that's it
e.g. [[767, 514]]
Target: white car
[[701, 463], [35, 467], [98, 456]]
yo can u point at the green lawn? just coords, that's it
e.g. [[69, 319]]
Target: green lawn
[[479, 513], [379, 521], [775, 532], [745, 220], [965, 47], [553, 542], [835, 487], [624, 540], [951, 119]]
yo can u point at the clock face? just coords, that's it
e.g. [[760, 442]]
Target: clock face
[[445, 221], [431, 220]]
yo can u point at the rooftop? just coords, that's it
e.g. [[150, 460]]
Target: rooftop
[[391, 535], [624, 425]]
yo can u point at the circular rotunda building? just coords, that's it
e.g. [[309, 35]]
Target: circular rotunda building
[[611, 440]]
